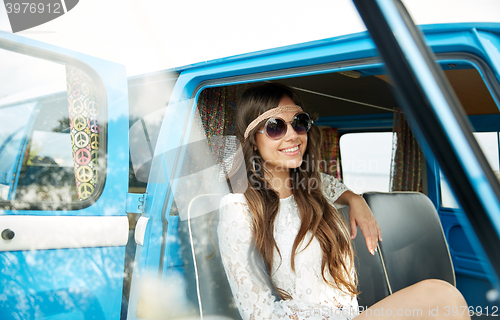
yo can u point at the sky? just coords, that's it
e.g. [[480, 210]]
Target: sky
[[151, 35]]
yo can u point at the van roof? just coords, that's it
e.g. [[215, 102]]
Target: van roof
[[427, 29]]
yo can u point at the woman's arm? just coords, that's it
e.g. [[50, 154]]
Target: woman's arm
[[360, 214]]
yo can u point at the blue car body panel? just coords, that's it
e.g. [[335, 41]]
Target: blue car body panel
[[97, 272], [76, 283]]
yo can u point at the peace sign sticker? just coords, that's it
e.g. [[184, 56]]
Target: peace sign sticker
[[85, 190], [79, 122], [95, 158], [84, 174], [94, 141], [78, 107], [94, 126], [82, 156], [76, 90], [93, 111], [81, 139]]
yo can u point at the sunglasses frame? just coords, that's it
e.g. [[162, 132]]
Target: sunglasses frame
[[286, 125]]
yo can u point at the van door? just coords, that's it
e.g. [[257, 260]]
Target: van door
[[63, 182], [433, 109]]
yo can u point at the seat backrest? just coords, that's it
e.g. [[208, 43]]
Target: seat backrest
[[414, 247], [372, 281], [203, 267]]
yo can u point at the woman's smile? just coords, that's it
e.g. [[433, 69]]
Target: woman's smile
[[291, 151]]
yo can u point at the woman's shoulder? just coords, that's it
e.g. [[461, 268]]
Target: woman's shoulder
[[332, 188], [233, 197], [328, 181], [233, 207], [326, 177], [233, 202]]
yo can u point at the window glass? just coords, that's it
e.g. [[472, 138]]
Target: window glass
[[13, 124], [447, 198], [488, 141], [366, 161], [49, 132]]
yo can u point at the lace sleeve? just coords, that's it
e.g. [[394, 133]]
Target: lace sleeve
[[332, 189], [252, 292]]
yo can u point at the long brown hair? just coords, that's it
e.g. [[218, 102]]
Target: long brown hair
[[316, 214]]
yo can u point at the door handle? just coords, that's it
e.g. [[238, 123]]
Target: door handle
[[8, 234]]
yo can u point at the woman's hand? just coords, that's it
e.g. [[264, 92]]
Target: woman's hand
[[361, 216]]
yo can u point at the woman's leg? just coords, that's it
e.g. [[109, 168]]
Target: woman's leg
[[428, 299]]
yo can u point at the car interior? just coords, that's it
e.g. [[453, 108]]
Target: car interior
[[358, 99]]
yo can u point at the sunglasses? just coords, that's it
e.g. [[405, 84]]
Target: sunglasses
[[275, 128]]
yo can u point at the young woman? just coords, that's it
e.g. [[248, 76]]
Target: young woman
[[286, 250]]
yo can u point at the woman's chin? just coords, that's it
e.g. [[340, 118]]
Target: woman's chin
[[293, 164]]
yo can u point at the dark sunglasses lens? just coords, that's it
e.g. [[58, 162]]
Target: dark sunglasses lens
[[275, 128], [301, 123]]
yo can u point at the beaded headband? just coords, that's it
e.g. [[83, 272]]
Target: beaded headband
[[269, 114]]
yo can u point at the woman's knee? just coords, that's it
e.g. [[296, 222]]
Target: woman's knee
[[435, 284], [441, 292]]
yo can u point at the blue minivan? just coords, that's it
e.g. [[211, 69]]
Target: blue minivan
[[110, 186]]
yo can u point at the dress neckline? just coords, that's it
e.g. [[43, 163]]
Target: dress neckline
[[287, 198]]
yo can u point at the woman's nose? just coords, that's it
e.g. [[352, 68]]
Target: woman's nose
[[291, 134]]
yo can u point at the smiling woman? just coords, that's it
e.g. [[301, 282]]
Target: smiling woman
[[285, 208], [287, 224]]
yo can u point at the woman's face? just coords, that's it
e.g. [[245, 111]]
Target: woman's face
[[285, 153]]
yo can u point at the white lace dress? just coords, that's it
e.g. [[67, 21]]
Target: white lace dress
[[312, 298]]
